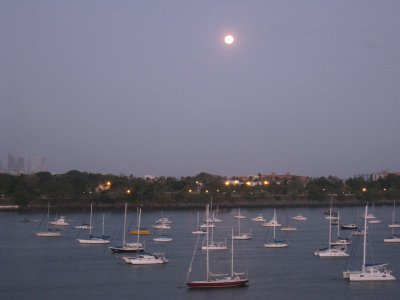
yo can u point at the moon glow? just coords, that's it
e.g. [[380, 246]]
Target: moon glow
[[229, 39]]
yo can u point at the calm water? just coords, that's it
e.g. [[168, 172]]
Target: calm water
[[60, 268]]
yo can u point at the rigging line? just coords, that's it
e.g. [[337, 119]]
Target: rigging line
[[194, 254], [265, 239], [369, 237]]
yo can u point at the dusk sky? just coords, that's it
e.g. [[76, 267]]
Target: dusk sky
[[150, 87]]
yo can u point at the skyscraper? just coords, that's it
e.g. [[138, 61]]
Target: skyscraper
[[11, 166], [35, 164]]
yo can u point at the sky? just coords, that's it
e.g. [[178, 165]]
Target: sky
[[149, 87]]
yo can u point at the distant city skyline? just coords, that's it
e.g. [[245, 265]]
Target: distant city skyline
[[33, 164], [151, 87], [23, 165]]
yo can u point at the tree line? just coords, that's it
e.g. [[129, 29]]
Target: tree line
[[76, 188]]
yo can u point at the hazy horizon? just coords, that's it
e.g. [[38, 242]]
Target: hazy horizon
[[150, 87]]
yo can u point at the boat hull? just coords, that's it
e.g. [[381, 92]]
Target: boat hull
[[48, 234], [331, 253], [93, 241], [146, 259], [242, 237], [125, 249], [217, 283], [365, 276], [276, 245], [391, 240]]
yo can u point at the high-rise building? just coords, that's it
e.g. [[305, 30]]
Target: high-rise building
[[20, 165], [12, 165], [35, 164]]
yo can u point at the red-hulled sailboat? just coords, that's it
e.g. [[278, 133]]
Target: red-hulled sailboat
[[218, 280]]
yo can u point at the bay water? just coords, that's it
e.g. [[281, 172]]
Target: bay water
[[61, 268]]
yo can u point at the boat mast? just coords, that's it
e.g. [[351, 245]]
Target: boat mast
[[90, 221], [123, 238], [232, 273], [274, 232], [138, 234], [393, 215], [330, 229], [365, 238], [239, 221], [103, 225], [207, 221]]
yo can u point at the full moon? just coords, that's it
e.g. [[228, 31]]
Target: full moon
[[229, 39]]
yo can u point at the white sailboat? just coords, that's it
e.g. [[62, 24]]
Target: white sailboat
[[340, 240], [240, 235], [369, 272], [371, 217], [83, 226], [94, 240], [215, 218], [276, 243], [127, 247], [217, 280], [393, 238], [259, 218], [299, 217], [239, 216], [163, 238], [50, 232], [162, 226], [61, 221], [145, 259], [289, 228], [212, 245], [394, 223], [199, 230], [273, 223], [335, 251]]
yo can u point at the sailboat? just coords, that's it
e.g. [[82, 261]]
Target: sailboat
[[371, 217], [94, 239], [240, 235], [83, 226], [215, 218], [335, 251], [393, 238], [215, 280], [288, 227], [127, 247], [145, 259], [259, 218], [299, 217], [394, 224], [212, 245], [273, 222], [199, 230], [276, 243], [49, 232], [61, 221], [239, 216], [369, 272], [340, 240]]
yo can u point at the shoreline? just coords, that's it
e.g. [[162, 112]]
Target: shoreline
[[185, 205]]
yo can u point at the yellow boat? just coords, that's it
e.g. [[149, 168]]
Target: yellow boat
[[141, 232]]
